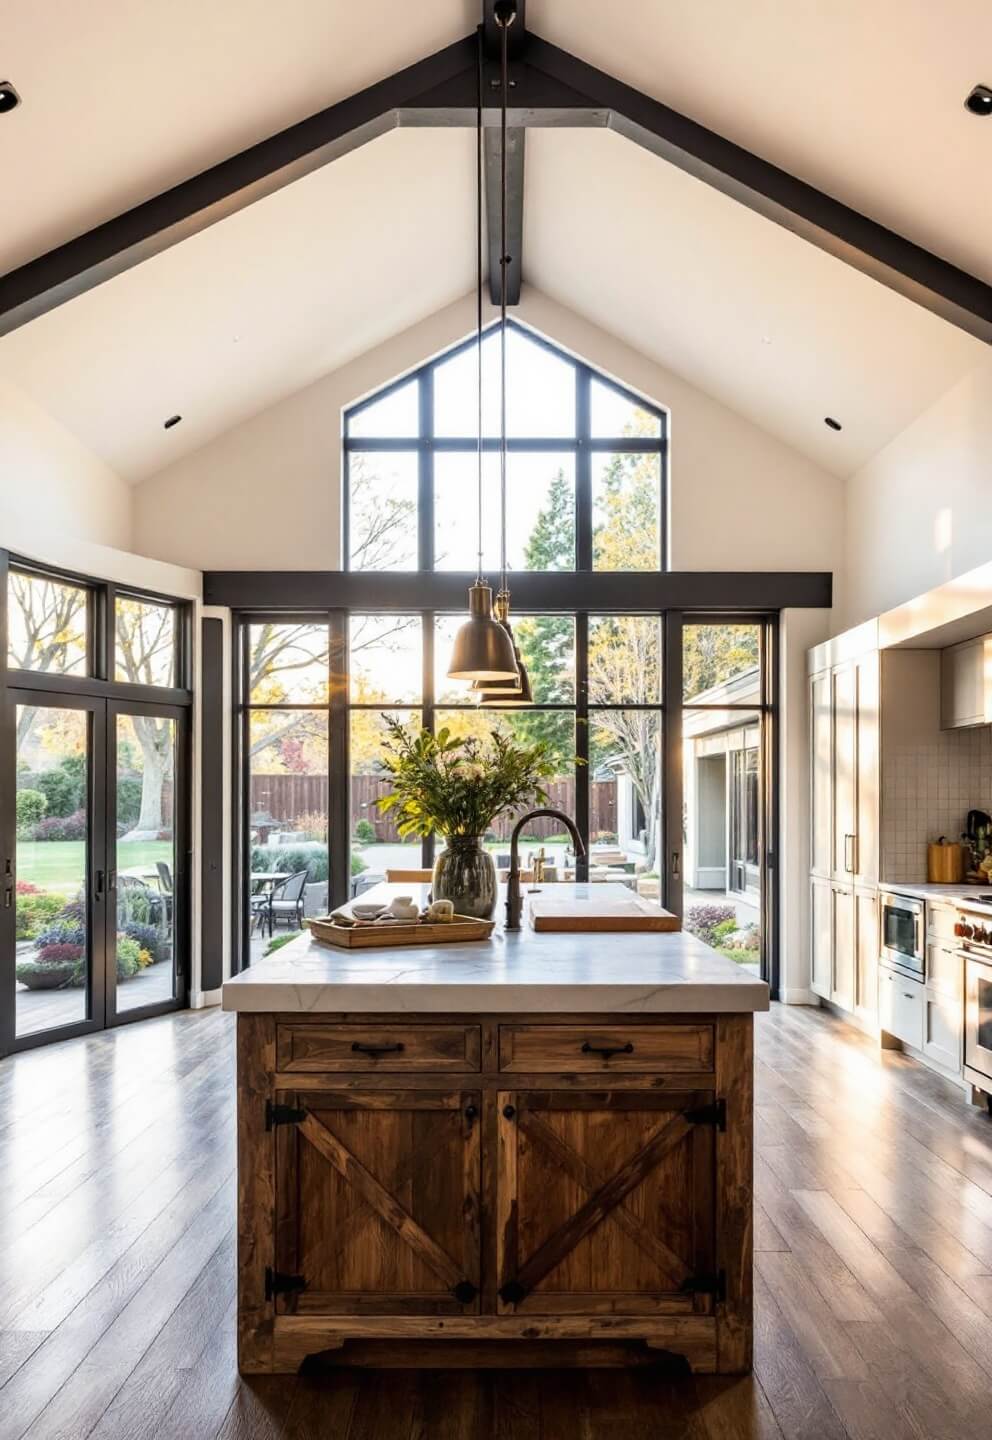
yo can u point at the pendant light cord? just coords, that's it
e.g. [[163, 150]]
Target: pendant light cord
[[505, 21], [478, 289]]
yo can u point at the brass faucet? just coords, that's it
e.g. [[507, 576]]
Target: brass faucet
[[514, 900]]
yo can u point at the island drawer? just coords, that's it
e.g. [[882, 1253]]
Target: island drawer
[[548, 1048], [322, 1048]]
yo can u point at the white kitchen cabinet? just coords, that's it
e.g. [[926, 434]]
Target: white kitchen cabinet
[[845, 947], [900, 1007], [821, 767], [821, 930], [963, 670], [943, 1018], [844, 834], [866, 950]]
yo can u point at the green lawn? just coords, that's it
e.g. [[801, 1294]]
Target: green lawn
[[60, 864]]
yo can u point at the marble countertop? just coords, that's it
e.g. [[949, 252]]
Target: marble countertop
[[952, 894], [520, 972]]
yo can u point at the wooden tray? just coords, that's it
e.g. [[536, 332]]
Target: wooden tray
[[366, 937]]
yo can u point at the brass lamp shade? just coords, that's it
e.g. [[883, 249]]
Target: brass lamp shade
[[498, 697], [482, 650]]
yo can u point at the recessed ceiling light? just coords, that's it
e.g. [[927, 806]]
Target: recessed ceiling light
[[9, 98], [979, 102], [834, 424], [172, 420]]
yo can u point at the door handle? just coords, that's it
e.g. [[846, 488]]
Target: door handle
[[100, 879], [676, 864]]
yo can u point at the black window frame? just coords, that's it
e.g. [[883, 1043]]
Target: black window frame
[[97, 684], [582, 445]]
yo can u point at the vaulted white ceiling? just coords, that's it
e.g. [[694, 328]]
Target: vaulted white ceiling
[[864, 101]]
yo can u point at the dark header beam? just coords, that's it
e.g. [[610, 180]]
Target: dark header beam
[[600, 591]]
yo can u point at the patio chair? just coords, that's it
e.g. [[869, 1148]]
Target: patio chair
[[286, 900], [165, 885]]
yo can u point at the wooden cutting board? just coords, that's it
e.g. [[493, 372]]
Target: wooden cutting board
[[599, 914]]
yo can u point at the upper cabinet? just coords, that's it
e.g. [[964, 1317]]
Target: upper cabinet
[[966, 684], [844, 720]]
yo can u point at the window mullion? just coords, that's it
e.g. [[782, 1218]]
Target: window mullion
[[583, 472], [425, 473]]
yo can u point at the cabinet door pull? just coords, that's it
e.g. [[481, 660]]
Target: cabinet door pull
[[849, 854], [607, 1051], [374, 1051]]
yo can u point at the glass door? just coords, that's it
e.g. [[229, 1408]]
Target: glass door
[[94, 923], [147, 862], [56, 880]]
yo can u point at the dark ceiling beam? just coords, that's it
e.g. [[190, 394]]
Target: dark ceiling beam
[[516, 140], [926, 279], [552, 88], [192, 206]]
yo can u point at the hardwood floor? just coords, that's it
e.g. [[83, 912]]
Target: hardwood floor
[[873, 1264]]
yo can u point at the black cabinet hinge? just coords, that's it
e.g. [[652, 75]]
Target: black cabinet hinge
[[278, 1283], [715, 1285], [715, 1114], [282, 1115], [512, 1292]]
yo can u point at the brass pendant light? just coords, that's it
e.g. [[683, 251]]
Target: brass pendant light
[[483, 648], [504, 694]]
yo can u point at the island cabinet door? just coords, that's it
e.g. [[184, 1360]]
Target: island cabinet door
[[377, 1203], [606, 1203]]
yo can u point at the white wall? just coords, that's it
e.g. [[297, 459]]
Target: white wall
[[266, 495], [919, 512], [50, 483]]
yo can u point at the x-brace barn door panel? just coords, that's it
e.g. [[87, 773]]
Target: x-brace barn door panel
[[377, 1206], [605, 1202]]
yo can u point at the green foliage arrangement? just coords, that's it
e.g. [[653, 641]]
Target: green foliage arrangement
[[459, 786], [30, 809], [364, 831]]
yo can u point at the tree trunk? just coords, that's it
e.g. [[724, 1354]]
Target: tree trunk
[[154, 754]]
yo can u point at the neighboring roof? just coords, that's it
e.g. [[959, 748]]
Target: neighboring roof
[[266, 301]]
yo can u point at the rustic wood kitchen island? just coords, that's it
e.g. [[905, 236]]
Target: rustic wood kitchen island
[[533, 1150]]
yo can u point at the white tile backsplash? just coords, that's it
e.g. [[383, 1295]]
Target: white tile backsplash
[[927, 791]]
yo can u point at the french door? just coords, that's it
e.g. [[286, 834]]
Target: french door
[[95, 916]]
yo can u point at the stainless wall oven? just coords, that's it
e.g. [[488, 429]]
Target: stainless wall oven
[[904, 932]]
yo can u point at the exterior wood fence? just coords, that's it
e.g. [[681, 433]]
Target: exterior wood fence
[[288, 798]]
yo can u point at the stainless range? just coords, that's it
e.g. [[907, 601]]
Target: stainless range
[[974, 932]]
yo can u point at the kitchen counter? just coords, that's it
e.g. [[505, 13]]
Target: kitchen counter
[[952, 894], [520, 971], [531, 1150]]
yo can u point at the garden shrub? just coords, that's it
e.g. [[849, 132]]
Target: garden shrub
[[278, 941], [725, 928], [128, 800], [35, 912], [60, 954], [291, 858], [128, 956], [135, 904], [25, 887], [148, 937], [364, 832], [702, 920], [63, 791], [61, 827], [30, 809], [61, 931], [358, 865]]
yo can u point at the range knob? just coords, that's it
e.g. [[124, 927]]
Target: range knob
[[980, 934], [959, 929]]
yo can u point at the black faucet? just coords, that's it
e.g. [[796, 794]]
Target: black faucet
[[514, 900]]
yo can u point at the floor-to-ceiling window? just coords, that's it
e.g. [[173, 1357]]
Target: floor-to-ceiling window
[[587, 509], [93, 804]]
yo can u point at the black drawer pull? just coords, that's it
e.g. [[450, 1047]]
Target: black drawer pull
[[607, 1051], [374, 1051]]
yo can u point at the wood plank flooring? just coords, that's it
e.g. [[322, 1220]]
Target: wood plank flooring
[[873, 1264]]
